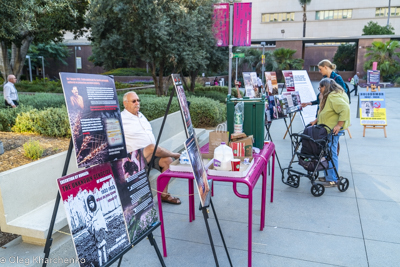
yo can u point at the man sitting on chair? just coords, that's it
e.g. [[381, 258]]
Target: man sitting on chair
[[139, 135]]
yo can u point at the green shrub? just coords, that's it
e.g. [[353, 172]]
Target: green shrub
[[43, 100], [221, 89], [50, 122], [127, 72], [33, 149], [39, 85], [218, 96], [8, 116]]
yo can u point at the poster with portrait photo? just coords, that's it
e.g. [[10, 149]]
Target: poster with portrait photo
[[199, 171], [183, 103], [134, 190], [94, 117], [372, 108], [248, 79], [94, 215], [271, 83]]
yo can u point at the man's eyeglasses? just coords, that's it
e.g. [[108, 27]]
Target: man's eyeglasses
[[134, 101]]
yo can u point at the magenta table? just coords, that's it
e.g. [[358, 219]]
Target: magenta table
[[259, 168]]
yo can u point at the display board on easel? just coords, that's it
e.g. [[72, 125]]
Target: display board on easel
[[103, 227]]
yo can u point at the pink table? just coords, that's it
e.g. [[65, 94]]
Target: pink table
[[259, 168]]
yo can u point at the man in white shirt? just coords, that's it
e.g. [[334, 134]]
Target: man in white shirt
[[10, 92], [139, 135], [356, 80]]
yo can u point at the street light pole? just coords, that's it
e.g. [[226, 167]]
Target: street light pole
[[30, 67], [76, 65], [230, 45], [236, 68], [263, 64], [388, 16]]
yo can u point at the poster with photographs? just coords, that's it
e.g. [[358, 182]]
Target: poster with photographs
[[289, 81], [281, 106], [293, 102], [271, 83], [373, 77], [199, 171], [249, 84], [372, 108], [94, 214], [135, 193], [94, 117], [180, 92]]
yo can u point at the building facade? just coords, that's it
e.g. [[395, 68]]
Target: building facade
[[340, 18]]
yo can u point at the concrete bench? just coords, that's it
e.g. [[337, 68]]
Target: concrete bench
[[27, 193]]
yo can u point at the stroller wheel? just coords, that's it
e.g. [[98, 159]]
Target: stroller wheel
[[293, 180], [317, 190], [343, 184]]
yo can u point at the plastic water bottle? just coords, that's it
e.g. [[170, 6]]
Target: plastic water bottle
[[223, 155], [184, 158]]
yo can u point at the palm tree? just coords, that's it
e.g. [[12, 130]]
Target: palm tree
[[384, 54], [285, 61], [304, 4]]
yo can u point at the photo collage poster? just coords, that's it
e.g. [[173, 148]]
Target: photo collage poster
[[94, 214], [372, 108], [180, 92], [135, 193], [250, 81], [199, 171], [94, 117], [373, 77], [271, 83], [289, 81]]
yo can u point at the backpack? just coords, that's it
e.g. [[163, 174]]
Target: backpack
[[316, 132]]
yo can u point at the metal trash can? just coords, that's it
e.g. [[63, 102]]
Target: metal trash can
[[254, 117]]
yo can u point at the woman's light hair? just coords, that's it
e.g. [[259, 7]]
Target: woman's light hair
[[329, 86], [327, 63]]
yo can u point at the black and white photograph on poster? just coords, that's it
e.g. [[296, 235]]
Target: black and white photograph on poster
[[94, 117], [135, 193], [94, 215], [183, 103], [367, 108], [199, 171]]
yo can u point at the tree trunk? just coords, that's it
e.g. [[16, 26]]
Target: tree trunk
[[193, 75], [184, 81], [160, 89], [153, 74], [304, 19], [5, 67]]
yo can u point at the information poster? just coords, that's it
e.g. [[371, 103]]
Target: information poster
[[372, 108], [94, 214], [293, 101], [180, 92], [373, 77], [199, 171], [135, 193], [302, 84], [271, 83], [289, 80], [250, 82], [94, 117]]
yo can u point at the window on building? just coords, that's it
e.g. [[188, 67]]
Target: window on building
[[333, 14], [277, 17], [314, 68], [383, 11]]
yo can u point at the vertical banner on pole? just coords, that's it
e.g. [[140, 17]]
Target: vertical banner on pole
[[221, 24], [242, 24]]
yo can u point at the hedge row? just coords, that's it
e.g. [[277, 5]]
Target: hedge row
[[53, 119]]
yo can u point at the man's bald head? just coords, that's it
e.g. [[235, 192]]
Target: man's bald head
[[11, 78], [131, 102]]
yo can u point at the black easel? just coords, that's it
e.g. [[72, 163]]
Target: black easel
[[204, 209]]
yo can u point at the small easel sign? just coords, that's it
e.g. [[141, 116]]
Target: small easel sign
[[373, 110]]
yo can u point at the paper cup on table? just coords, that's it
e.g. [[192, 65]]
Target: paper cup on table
[[235, 164]]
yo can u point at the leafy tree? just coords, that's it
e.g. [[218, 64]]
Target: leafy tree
[[345, 57], [56, 51], [386, 56], [252, 61], [373, 28], [304, 4], [173, 35], [41, 21]]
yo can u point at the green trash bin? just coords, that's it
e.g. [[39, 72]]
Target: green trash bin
[[254, 117]]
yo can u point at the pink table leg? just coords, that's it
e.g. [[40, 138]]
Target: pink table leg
[[273, 176], [191, 204], [190, 200], [263, 198], [161, 184], [250, 240]]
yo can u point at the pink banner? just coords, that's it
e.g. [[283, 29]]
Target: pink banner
[[242, 24], [221, 24]]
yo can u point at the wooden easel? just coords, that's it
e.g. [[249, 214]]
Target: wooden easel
[[372, 126]]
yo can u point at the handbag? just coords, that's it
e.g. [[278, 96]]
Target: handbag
[[352, 81]]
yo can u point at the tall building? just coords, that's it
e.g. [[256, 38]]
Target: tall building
[[339, 18]]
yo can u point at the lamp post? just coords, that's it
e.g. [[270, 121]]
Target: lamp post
[[42, 66], [388, 16], [230, 45], [263, 62], [30, 67], [237, 65], [76, 65]]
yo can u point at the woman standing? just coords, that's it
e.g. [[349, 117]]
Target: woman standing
[[334, 111]]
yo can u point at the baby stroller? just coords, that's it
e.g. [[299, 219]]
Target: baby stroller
[[311, 147]]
